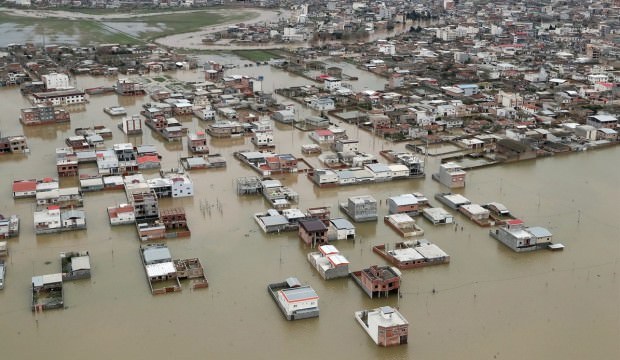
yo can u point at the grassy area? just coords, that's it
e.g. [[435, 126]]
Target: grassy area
[[169, 24], [257, 55], [86, 31], [81, 32]]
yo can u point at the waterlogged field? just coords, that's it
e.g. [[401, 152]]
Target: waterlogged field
[[20, 29], [155, 26], [86, 28]]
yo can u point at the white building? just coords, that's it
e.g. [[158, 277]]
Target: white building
[[47, 219], [56, 81], [386, 47], [347, 145], [263, 139], [182, 185], [329, 262], [332, 84], [469, 89], [385, 325], [520, 238], [451, 175], [342, 228], [322, 104], [121, 214]]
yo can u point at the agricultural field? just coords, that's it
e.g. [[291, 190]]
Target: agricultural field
[[87, 28]]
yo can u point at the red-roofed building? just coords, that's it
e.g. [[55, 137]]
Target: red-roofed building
[[24, 188], [148, 162], [322, 136]]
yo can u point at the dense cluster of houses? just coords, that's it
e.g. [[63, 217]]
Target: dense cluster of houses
[[500, 80]]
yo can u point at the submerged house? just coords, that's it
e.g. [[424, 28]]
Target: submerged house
[[520, 238], [9, 227], [24, 188], [477, 214], [341, 229], [296, 301], [451, 175], [192, 270], [378, 280], [276, 221], [411, 254], [385, 325], [438, 216], [313, 232], [161, 273], [47, 292], [360, 208], [52, 219], [122, 214], [403, 224], [197, 142], [75, 265], [410, 204], [329, 262]]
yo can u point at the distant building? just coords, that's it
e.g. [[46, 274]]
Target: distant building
[[602, 121]]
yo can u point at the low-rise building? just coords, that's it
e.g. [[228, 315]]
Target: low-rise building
[[377, 281], [59, 97], [385, 325], [52, 219], [411, 254], [520, 238], [403, 224], [13, 145], [341, 229], [404, 204], [313, 232], [44, 114], [75, 265], [438, 216], [477, 214], [296, 301], [121, 215], [329, 262], [9, 227], [360, 208], [160, 271], [602, 121], [127, 87], [451, 175], [47, 292]]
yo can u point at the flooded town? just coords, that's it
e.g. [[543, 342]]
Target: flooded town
[[392, 180]]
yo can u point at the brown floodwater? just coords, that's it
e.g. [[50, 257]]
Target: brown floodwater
[[488, 303]]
